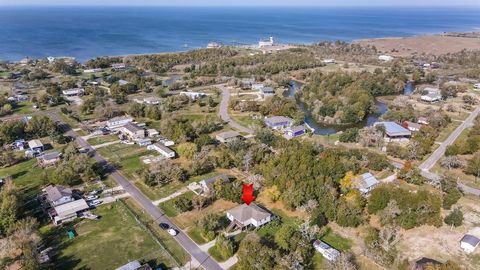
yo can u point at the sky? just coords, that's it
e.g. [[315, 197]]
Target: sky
[[240, 3]]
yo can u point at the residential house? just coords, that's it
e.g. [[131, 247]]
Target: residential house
[[35, 146], [327, 251], [48, 159], [385, 58], [132, 131], [422, 120], [366, 183], [278, 122], [267, 91], [213, 45], [119, 66], [193, 95], [165, 141], [469, 243], [433, 95], [328, 61], [122, 82], [134, 265], [206, 183], [425, 264], [152, 100], [477, 86], [248, 215], [246, 84], [295, 131], [144, 142], [162, 149], [73, 92], [257, 86], [152, 132], [68, 211], [19, 144], [412, 126], [58, 195], [395, 132], [118, 122], [265, 42], [227, 136], [93, 70]]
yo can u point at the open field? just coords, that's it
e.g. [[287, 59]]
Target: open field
[[428, 44], [113, 240], [102, 139]]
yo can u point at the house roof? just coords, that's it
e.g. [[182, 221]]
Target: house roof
[[120, 118], [35, 144], [132, 127], [71, 207], [278, 119], [130, 266], [73, 91], [211, 180], [50, 156], [296, 129], [164, 148], [394, 129], [246, 212], [470, 239], [413, 125], [320, 245], [423, 262], [228, 134], [268, 89], [367, 180], [56, 192]]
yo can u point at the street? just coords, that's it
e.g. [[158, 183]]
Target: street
[[203, 258], [223, 112]]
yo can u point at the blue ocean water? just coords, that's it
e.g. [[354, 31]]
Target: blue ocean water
[[86, 32]]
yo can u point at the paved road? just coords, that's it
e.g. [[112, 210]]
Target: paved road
[[203, 258], [223, 112], [440, 151]]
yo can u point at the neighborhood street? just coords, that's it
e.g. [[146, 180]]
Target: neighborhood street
[[200, 256], [223, 112], [440, 151]]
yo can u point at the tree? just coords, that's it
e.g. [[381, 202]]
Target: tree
[[345, 261], [473, 165], [253, 255], [347, 181], [318, 218], [455, 218], [198, 202], [224, 246], [284, 235], [349, 135], [182, 204], [187, 150]]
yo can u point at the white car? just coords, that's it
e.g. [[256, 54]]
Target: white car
[[91, 198], [172, 232], [95, 202]]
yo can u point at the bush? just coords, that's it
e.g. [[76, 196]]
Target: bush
[[182, 204], [455, 218], [349, 135]]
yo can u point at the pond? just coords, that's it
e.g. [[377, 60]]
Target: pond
[[322, 129]]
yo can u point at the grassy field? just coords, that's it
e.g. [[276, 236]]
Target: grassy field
[[24, 107], [113, 240], [102, 139], [337, 241], [169, 209]]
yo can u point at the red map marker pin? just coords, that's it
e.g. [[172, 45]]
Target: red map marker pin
[[248, 193]]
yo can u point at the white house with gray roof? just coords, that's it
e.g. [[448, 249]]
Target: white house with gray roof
[[58, 195], [162, 149], [278, 122], [118, 122], [227, 136], [68, 211], [249, 215], [366, 183], [469, 243]]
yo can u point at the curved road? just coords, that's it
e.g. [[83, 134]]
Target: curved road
[[223, 112], [203, 258]]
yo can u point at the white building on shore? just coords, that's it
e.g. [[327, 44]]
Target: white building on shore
[[265, 42]]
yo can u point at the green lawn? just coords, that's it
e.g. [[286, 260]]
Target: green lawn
[[196, 236], [318, 261], [102, 139], [169, 209], [113, 240], [337, 241], [216, 254], [24, 107]]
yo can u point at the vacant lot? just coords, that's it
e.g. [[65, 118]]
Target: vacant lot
[[113, 240]]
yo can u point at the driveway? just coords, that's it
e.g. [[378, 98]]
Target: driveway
[[223, 112]]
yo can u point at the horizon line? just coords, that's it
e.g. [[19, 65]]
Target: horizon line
[[238, 5]]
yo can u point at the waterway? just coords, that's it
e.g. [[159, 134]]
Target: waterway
[[322, 129]]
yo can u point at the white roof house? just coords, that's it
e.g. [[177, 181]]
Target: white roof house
[[394, 130], [385, 58], [326, 250], [267, 91], [227, 136], [278, 122], [246, 215], [152, 100], [476, 86], [469, 243], [193, 95], [73, 92], [35, 145], [134, 265], [432, 96], [265, 42], [366, 182], [328, 61], [117, 122], [69, 211], [413, 126], [58, 195], [162, 149]]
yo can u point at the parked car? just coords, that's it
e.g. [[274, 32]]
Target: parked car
[[95, 202], [91, 197], [172, 232], [164, 226], [94, 192]]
